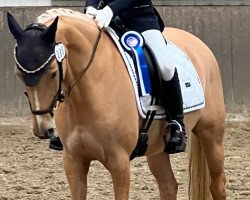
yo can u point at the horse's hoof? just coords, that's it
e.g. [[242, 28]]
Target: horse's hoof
[[56, 144]]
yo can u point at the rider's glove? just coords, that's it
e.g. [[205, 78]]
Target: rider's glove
[[91, 12], [104, 16]]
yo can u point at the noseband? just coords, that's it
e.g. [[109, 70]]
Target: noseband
[[58, 97]]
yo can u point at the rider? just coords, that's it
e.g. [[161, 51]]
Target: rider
[[141, 16]]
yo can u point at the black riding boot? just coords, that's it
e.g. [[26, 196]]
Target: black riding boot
[[173, 105]]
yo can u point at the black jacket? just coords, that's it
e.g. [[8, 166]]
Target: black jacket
[[138, 15]]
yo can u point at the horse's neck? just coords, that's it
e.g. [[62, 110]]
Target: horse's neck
[[79, 40], [103, 72]]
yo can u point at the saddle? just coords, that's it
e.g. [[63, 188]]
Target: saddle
[[191, 88]]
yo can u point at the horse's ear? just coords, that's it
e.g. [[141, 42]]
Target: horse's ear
[[14, 27], [49, 35]]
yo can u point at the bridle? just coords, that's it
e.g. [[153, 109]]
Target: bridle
[[59, 97]]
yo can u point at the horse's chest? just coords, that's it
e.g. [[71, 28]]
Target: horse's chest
[[84, 143]]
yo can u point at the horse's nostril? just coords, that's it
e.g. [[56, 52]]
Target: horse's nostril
[[51, 132]]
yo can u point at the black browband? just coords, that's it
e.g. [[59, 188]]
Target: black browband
[[36, 26]]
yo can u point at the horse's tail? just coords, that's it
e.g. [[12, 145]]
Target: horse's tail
[[199, 178]]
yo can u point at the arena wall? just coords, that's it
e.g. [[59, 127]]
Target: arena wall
[[224, 28]]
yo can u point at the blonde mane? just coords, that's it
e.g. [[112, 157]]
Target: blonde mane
[[53, 13]]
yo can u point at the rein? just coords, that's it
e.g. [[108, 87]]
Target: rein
[[71, 86]]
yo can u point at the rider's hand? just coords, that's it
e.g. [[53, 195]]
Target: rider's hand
[[104, 16], [91, 12]]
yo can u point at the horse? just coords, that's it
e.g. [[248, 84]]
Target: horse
[[98, 119]]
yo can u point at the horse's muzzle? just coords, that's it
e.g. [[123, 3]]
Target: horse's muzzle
[[46, 134]]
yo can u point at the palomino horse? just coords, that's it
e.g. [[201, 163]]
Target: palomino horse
[[99, 120]]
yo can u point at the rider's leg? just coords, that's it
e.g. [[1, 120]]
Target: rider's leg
[[171, 98]]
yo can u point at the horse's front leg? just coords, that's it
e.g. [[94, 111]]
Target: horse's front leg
[[76, 170], [119, 168]]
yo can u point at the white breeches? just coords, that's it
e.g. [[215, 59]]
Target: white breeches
[[156, 42]]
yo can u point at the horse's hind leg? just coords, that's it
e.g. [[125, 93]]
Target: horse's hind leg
[[160, 167], [76, 172], [211, 133]]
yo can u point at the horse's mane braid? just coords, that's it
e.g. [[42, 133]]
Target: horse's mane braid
[[53, 13]]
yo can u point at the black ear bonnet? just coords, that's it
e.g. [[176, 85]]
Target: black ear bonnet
[[34, 48], [32, 54]]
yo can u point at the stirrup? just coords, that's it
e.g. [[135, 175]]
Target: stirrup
[[176, 143], [176, 123]]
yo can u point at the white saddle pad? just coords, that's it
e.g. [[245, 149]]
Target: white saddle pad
[[192, 91]]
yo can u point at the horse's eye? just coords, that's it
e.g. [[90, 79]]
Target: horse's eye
[[53, 75]]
